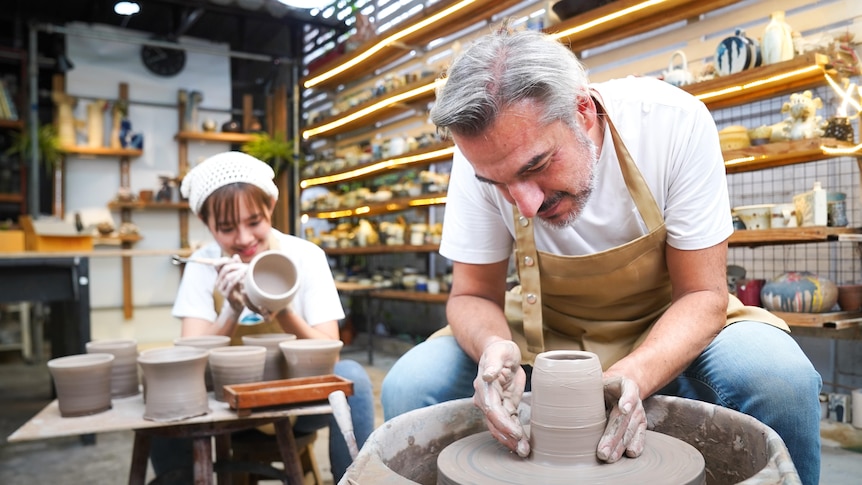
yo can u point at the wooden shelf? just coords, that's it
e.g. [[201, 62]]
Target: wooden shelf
[[782, 153], [373, 110], [404, 295], [425, 26], [215, 136], [802, 72], [101, 151], [599, 26], [383, 249], [834, 320], [12, 124], [138, 205], [788, 235], [393, 205], [417, 158], [11, 198]]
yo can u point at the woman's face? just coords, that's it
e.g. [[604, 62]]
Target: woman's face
[[248, 236]]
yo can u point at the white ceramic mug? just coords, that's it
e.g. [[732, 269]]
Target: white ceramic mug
[[271, 281]]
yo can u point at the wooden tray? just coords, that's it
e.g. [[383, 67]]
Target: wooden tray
[[245, 397]]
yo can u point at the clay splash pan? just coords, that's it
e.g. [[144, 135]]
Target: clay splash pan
[[243, 398]]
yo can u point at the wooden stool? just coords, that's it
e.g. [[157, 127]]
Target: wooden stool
[[257, 447]]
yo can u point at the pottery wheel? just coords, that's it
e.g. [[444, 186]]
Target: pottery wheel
[[479, 458]]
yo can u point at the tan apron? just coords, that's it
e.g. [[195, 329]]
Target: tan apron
[[604, 302]]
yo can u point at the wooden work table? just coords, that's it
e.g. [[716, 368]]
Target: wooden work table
[[127, 414]]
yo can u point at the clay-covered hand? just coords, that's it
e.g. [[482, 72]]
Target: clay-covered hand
[[626, 428], [499, 387], [229, 282]]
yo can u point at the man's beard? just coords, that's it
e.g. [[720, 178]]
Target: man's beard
[[579, 200]]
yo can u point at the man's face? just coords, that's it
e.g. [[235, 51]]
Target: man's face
[[546, 171]]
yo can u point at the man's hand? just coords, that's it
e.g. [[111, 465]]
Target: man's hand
[[229, 282], [499, 386], [626, 428]]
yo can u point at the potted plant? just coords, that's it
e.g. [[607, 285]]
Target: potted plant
[[276, 151], [48, 142]]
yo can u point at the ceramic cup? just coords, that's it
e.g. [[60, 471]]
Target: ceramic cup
[[124, 369], [205, 342], [748, 291], [174, 378], [783, 215], [271, 281], [310, 357], [275, 367], [237, 364], [83, 383]]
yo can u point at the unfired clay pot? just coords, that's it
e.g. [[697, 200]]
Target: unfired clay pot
[[205, 342], [271, 281], [275, 367], [124, 369], [174, 378], [310, 357], [83, 383], [236, 365]]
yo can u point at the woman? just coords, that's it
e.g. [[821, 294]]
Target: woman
[[233, 194]]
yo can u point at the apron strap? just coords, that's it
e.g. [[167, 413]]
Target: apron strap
[[635, 183], [531, 288]]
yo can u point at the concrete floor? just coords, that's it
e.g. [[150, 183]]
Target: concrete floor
[[25, 389]]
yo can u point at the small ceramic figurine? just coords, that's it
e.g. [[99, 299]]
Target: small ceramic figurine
[[803, 121]]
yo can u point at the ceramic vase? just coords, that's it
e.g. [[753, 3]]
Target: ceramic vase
[[559, 434], [310, 357], [777, 40], [83, 383], [271, 281], [275, 367], [236, 365], [174, 378], [124, 369], [737, 53], [205, 342], [799, 291]]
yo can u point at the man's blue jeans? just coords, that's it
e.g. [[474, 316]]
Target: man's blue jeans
[[750, 367]]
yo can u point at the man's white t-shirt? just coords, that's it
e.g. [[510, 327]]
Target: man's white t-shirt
[[316, 299], [673, 140]]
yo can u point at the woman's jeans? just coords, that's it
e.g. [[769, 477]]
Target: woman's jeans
[[750, 367], [172, 458]]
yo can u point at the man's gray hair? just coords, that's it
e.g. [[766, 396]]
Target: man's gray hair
[[504, 68]]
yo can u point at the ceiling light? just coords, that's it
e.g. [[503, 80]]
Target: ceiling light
[[126, 8], [305, 4]]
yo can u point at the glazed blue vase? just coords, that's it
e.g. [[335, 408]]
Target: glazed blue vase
[[800, 292]]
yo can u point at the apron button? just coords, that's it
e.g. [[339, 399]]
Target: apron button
[[531, 298], [528, 261], [523, 221]]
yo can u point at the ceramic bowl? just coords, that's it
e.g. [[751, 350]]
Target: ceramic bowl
[[755, 216], [271, 281], [310, 357], [850, 297]]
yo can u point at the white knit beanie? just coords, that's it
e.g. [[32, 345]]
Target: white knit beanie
[[223, 169]]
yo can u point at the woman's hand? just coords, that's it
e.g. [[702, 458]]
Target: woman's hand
[[499, 387], [230, 282]]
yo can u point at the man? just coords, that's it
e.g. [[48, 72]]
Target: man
[[615, 199]]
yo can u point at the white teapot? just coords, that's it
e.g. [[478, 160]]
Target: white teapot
[[678, 75]]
